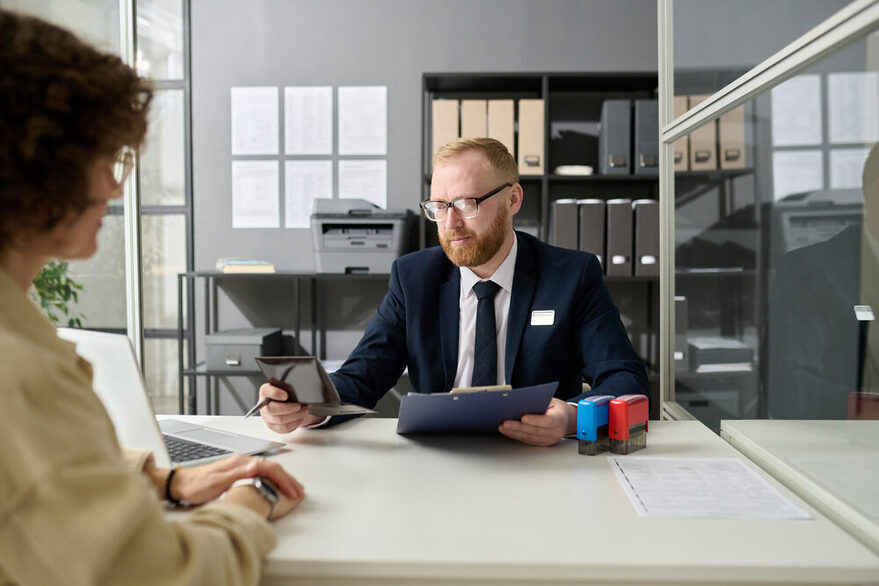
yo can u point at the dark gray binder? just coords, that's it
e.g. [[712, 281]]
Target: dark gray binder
[[646, 212], [592, 218], [619, 237], [646, 159], [563, 231], [614, 138]]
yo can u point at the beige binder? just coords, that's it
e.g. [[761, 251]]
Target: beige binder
[[680, 147], [474, 119], [444, 123], [531, 155], [731, 139], [501, 122], [703, 142]]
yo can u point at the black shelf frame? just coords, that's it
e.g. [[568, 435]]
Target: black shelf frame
[[190, 368], [576, 94]]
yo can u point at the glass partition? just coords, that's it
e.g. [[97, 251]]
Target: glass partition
[[776, 276], [716, 41]]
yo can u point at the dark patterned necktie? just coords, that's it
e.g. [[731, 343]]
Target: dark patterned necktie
[[485, 348]]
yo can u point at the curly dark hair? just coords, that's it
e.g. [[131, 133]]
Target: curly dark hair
[[63, 104]]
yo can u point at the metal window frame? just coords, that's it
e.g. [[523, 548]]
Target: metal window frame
[[847, 25], [132, 210], [131, 202]]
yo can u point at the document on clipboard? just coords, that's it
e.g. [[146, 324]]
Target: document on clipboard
[[473, 412]]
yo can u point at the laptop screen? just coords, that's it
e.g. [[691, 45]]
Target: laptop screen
[[120, 387]]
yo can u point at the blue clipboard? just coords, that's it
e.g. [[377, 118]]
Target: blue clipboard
[[481, 411]]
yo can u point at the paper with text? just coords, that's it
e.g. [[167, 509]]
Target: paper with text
[[308, 120], [796, 172], [701, 488], [303, 182], [363, 120], [364, 179], [853, 106], [254, 121], [255, 201]]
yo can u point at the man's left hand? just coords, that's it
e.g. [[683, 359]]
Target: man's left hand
[[559, 421]]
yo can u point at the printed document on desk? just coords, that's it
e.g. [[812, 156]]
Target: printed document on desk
[[701, 488], [475, 412]]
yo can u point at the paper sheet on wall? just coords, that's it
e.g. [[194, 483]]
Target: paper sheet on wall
[[796, 171], [701, 488], [255, 121], [364, 179], [303, 182], [363, 120], [847, 167], [853, 106], [796, 111], [308, 120], [255, 202]]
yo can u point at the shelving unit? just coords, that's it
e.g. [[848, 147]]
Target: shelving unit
[[572, 106], [192, 368], [572, 113]]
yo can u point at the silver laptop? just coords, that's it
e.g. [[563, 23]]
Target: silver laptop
[[120, 386]]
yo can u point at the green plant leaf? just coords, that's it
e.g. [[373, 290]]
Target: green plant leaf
[[55, 290]]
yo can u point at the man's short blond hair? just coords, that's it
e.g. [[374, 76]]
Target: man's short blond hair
[[499, 158]]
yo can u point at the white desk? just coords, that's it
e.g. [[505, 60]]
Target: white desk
[[834, 465], [386, 509]]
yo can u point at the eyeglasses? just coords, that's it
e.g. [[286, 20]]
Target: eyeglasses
[[122, 166], [468, 207]]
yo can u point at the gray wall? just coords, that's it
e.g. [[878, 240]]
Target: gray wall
[[367, 42], [378, 42], [742, 33]]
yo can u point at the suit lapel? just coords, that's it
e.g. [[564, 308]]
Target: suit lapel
[[449, 318], [524, 283]]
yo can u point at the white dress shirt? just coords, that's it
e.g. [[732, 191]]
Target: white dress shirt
[[467, 301]]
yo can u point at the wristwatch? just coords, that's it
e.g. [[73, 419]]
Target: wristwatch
[[268, 492]]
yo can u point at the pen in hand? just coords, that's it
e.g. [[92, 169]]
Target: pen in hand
[[258, 406]]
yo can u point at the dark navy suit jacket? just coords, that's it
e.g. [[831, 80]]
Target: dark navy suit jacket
[[417, 326]]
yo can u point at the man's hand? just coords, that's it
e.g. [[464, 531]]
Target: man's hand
[[283, 417], [559, 421]]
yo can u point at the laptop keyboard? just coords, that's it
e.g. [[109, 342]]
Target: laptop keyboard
[[181, 450]]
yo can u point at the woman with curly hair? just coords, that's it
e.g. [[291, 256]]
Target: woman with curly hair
[[75, 508]]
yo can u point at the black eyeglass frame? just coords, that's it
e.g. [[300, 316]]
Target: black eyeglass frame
[[449, 204]]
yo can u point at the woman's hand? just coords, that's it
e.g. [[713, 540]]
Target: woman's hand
[[201, 484]]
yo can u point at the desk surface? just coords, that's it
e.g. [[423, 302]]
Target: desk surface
[[484, 509], [834, 465]]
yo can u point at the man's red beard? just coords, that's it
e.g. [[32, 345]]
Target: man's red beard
[[481, 248]]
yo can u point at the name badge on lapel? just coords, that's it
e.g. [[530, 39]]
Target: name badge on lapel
[[863, 313], [543, 317]]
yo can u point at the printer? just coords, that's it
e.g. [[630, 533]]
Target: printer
[[801, 219], [356, 236]]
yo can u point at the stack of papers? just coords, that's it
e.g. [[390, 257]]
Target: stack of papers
[[719, 354]]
